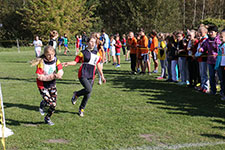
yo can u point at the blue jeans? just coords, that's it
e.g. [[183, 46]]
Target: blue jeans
[[163, 68], [169, 68], [212, 79], [203, 75], [174, 70], [220, 75], [182, 68]]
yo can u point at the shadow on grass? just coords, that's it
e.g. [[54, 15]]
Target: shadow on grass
[[216, 136], [19, 123], [61, 81], [110, 71], [31, 107], [173, 98], [18, 79]]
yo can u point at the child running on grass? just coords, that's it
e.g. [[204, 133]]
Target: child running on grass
[[60, 41], [37, 44], [49, 68], [65, 39], [77, 44], [52, 42], [90, 59]]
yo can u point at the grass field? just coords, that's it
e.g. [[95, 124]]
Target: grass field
[[128, 112]]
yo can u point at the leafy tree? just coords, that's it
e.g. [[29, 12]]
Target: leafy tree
[[41, 16]]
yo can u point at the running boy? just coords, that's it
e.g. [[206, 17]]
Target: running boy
[[49, 68], [90, 58]]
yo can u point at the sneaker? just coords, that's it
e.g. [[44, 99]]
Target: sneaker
[[187, 82], [138, 70], [133, 72], [81, 112], [48, 121], [155, 71], [204, 91], [41, 110], [149, 73], [223, 98], [118, 65], [181, 83], [99, 82], [160, 78], [114, 64], [74, 98]]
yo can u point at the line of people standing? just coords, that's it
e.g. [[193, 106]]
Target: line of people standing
[[187, 59]]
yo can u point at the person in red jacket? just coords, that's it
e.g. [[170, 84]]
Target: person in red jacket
[[118, 46]]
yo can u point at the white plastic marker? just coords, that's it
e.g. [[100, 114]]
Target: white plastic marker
[[4, 132]]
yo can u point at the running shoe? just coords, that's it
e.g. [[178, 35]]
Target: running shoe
[[74, 98], [81, 112], [48, 121]]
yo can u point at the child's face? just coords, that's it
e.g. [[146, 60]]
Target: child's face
[[212, 34], [117, 38], [179, 37], [202, 32], [50, 55], [222, 36], [92, 43]]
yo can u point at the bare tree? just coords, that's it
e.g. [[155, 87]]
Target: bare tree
[[184, 14], [203, 9], [194, 16], [221, 9]]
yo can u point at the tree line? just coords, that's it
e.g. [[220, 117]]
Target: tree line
[[22, 19]]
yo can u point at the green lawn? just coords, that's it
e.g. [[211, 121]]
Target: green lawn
[[128, 112]]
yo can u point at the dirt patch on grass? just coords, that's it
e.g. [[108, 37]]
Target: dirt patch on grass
[[147, 137], [13, 148], [30, 125], [63, 141]]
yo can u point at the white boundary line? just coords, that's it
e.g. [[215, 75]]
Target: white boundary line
[[173, 147]]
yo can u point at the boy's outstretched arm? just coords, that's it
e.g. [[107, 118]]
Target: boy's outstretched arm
[[70, 63]]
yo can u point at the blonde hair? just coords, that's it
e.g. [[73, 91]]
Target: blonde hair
[[38, 60], [53, 33], [203, 28]]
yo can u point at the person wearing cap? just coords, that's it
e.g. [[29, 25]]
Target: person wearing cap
[[210, 46]]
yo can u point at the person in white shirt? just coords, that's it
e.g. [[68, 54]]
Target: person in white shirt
[[37, 46], [113, 49]]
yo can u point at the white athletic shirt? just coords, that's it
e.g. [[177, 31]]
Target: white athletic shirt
[[37, 44], [113, 48]]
